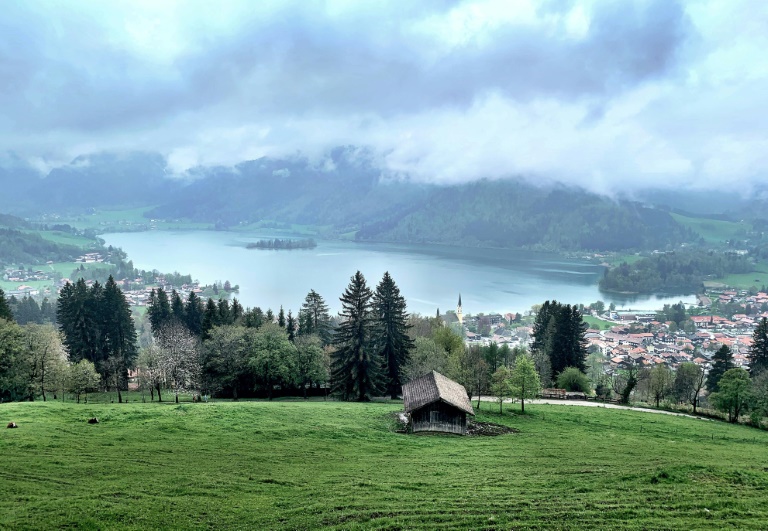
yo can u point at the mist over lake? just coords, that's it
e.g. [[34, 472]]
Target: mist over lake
[[430, 277]]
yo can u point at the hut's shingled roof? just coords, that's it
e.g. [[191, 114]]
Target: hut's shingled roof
[[434, 387]]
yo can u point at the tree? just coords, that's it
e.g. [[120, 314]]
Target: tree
[[14, 369], [290, 326], [524, 381], [500, 387], [759, 395], [625, 380], [118, 335], [271, 356], [309, 363], [758, 352], [689, 381], [193, 314], [210, 317], [356, 367], [390, 335], [314, 317], [426, 356], [733, 393], [149, 365], [158, 309], [46, 356], [5, 309], [82, 378], [225, 359], [558, 331], [572, 379], [660, 382], [722, 362], [281, 318], [179, 357]]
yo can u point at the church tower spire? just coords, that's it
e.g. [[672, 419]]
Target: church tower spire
[[459, 312]]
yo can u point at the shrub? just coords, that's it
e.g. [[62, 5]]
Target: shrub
[[572, 379]]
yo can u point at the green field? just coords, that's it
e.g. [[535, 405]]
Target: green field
[[712, 230], [597, 323], [308, 465]]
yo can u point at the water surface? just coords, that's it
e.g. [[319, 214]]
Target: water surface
[[429, 276]]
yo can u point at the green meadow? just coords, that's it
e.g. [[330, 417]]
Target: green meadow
[[334, 465]]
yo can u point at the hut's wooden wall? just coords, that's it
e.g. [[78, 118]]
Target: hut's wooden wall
[[440, 417]]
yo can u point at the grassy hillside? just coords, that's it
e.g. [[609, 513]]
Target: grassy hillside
[[297, 465], [712, 230]]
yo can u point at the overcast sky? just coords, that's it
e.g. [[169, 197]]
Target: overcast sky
[[608, 95]]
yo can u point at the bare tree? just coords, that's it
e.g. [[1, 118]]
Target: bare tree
[[179, 357]]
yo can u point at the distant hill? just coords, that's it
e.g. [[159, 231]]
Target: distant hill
[[349, 195], [89, 181]]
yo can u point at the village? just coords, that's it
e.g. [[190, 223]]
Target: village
[[643, 338]]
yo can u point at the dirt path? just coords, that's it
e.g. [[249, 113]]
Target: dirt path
[[584, 403]]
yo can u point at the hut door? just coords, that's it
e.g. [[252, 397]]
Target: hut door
[[434, 416]]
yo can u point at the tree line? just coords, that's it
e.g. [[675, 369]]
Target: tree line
[[673, 271]]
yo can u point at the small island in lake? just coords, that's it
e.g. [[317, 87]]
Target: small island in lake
[[277, 243]]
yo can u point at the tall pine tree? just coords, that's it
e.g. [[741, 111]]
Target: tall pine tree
[[391, 332], [356, 367], [758, 352], [722, 361]]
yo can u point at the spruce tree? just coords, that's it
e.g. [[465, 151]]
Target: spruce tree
[[210, 318], [290, 326], [236, 310], [118, 335], [722, 361], [158, 309], [281, 318], [356, 367], [758, 352], [5, 309], [391, 332], [177, 307], [314, 317], [558, 332], [193, 314], [225, 313]]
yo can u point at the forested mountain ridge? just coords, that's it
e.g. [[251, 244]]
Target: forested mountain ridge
[[349, 194], [517, 214]]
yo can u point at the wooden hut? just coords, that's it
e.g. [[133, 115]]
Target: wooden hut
[[436, 403]]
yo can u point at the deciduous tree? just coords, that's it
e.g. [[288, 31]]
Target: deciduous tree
[[733, 393], [524, 380]]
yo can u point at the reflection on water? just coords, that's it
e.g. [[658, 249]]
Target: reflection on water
[[429, 276]]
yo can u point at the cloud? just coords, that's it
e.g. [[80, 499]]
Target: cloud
[[607, 95]]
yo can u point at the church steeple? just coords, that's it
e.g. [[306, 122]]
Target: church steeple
[[459, 312]]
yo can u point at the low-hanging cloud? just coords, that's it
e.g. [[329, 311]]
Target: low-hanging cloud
[[607, 95]]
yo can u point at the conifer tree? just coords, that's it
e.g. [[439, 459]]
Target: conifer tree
[[722, 361], [281, 318], [314, 317], [237, 311], [193, 314], [390, 336], [158, 309], [290, 326], [210, 317], [177, 307], [118, 335], [758, 352], [225, 313], [558, 332], [5, 309], [356, 367], [270, 317]]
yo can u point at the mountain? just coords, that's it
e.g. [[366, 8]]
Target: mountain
[[352, 197]]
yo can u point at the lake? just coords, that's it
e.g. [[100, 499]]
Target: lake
[[429, 276]]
